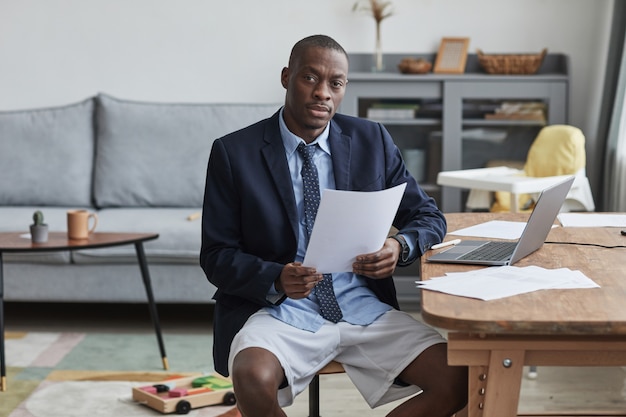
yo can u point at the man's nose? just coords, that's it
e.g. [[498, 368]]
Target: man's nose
[[322, 91]]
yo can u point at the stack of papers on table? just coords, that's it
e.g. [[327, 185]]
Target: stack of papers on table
[[505, 281]]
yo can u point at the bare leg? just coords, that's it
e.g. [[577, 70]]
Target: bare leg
[[256, 376], [445, 387]]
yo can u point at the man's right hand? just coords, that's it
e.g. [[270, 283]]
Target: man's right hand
[[297, 281]]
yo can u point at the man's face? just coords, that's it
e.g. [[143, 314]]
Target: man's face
[[315, 83]]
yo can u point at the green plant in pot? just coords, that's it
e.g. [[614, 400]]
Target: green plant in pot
[[38, 230]]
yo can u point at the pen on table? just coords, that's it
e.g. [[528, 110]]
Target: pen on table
[[446, 244]]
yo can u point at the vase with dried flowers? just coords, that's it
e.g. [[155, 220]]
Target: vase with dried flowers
[[380, 10]]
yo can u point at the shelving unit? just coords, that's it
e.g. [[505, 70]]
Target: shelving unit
[[452, 111], [450, 125]]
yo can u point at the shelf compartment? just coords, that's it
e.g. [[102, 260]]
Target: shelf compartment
[[511, 110], [398, 110]]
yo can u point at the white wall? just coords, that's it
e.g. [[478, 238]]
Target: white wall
[[55, 52]]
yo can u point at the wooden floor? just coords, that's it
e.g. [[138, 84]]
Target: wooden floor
[[556, 389]]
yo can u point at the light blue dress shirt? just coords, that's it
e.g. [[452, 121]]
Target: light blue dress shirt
[[358, 303]]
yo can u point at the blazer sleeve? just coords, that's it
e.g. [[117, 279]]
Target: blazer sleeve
[[232, 270], [418, 216], [374, 162]]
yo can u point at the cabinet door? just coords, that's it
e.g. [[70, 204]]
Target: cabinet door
[[411, 110]]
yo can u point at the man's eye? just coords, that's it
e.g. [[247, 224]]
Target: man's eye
[[309, 78], [337, 84]]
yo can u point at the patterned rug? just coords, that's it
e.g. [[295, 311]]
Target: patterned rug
[[78, 374]]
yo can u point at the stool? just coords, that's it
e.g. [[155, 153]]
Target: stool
[[314, 387]]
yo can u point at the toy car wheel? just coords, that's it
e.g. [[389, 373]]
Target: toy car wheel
[[183, 407], [161, 388], [229, 398]]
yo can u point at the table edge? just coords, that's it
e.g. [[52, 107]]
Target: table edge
[[125, 238]]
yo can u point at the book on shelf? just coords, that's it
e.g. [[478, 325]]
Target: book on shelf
[[396, 111], [519, 111]]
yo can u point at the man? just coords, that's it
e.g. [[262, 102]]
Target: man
[[269, 332]]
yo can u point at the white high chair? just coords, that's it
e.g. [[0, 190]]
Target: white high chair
[[557, 152]]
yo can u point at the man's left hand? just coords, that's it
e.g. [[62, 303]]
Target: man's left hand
[[380, 264]]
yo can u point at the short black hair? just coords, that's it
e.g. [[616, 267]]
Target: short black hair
[[315, 41]]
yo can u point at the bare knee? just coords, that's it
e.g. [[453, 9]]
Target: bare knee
[[256, 376], [259, 365]]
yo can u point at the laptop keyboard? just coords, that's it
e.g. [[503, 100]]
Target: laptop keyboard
[[491, 251]]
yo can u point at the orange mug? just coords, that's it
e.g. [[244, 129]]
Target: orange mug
[[78, 223]]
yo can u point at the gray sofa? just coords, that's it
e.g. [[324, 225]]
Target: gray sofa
[[141, 166]]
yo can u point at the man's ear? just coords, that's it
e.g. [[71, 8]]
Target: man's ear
[[284, 77]]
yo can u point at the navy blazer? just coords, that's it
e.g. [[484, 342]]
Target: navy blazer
[[250, 221]]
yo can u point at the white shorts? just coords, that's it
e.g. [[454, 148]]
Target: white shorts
[[372, 359]]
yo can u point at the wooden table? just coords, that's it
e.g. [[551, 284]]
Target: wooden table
[[575, 327], [13, 242]]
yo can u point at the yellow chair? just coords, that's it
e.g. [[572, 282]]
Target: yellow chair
[[557, 151]]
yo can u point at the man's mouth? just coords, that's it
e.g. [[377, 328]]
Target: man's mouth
[[319, 108]]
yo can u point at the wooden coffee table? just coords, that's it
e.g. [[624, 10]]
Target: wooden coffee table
[[15, 242]]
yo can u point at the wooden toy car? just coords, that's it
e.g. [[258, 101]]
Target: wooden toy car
[[180, 395]]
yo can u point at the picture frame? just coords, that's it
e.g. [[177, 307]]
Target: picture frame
[[452, 56]]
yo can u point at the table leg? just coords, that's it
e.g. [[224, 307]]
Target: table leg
[[495, 372], [504, 380], [143, 265], [3, 370], [477, 388]]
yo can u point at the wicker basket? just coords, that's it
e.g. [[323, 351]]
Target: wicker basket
[[414, 66], [511, 63]]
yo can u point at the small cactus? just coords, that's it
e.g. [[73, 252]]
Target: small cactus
[[38, 218], [38, 230]]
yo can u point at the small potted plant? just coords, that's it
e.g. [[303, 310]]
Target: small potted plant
[[38, 230]]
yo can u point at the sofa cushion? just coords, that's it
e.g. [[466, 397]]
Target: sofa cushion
[[46, 156], [156, 154], [178, 242]]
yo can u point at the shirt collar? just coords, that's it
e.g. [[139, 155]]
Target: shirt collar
[[291, 141]]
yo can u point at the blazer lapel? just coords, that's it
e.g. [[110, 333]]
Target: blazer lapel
[[274, 154], [340, 147]]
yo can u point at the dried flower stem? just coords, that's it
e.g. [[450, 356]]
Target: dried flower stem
[[380, 10]]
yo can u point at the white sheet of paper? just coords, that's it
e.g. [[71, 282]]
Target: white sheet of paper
[[495, 229], [592, 220], [350, 223], [506, 281]]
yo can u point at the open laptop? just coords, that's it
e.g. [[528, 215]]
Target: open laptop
[[497, 253]]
